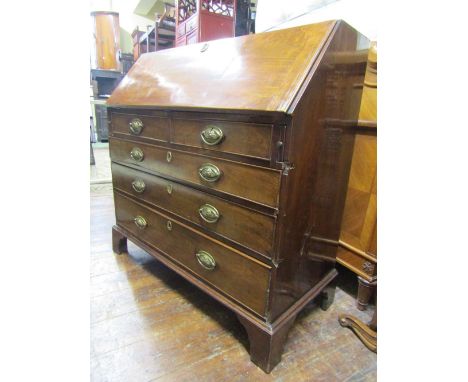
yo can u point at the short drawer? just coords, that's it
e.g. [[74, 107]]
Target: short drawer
[[181, 30], [150, 127], [235, 274], [257, 184], [191, 24], [249, 139], [244, 226]]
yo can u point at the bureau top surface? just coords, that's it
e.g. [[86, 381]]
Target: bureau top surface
[[262, 72]]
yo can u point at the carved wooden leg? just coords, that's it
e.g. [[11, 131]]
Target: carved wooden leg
[[366, 333], [365, 291], [327, 296], [119, 241], [266, 346]]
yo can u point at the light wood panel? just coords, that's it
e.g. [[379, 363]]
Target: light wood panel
[[358, 238]]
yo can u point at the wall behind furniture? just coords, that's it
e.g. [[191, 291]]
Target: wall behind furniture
[[279, 14]]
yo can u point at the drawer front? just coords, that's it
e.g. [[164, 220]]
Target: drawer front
[[192, 37], [150, 127], [191, 24], [252, 140], [242, 278], [181, 30], [356, 263], [244, 226], [257, 184]]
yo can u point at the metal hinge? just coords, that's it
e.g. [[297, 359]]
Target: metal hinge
[[286, 167]]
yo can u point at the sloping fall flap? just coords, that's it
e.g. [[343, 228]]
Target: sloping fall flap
[[256, 72]]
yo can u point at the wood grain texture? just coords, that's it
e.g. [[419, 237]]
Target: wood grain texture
[[313, 191], [149, 324], [246, 227], [262, 72], [257, 184], [302, 184], [240, 277], [155, 127], [368, 110], [359, 226], [239, 138], [106, 33]]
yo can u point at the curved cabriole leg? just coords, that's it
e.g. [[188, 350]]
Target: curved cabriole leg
[[327, 296], [119, 241], [365, 291], [365, 333], [266, 345]]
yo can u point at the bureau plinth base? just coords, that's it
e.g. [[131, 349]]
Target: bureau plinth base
[[119, 241], [327, 296]]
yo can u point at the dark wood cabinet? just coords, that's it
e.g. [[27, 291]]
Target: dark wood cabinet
[[230, 164]]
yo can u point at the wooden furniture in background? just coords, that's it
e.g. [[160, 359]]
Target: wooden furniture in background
[[358, 238], [106, 81], [127, 61], [159, 36], [245, 17], [367, 333], [204, 20], [236, 179], [136, 35], [106, 41]]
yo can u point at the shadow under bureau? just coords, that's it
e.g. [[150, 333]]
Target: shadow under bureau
[[230, 162]]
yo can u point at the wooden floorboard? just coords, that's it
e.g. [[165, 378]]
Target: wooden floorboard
[[149, 324]]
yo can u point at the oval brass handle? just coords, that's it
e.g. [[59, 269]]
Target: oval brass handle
[[209, 172], [212, 135], [137, 154], [135, 126], [206, 260], [140, 222], [209, 213], [138, 185], [169, 225]]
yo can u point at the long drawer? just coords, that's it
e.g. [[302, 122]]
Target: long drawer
[[257, 184], [237, 275], [244, 226]]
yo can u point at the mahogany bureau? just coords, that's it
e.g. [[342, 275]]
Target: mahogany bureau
[[230, 162]]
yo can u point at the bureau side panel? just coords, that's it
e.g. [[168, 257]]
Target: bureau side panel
[[318, 156]]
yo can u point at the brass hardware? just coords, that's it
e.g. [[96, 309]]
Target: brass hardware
[[169, 189], [137, 154], [169, 225], [169, 156], [206, 260], [212, 135], [138, 185], [140, 222], [209, 213], [209, 172], [135, 126]]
